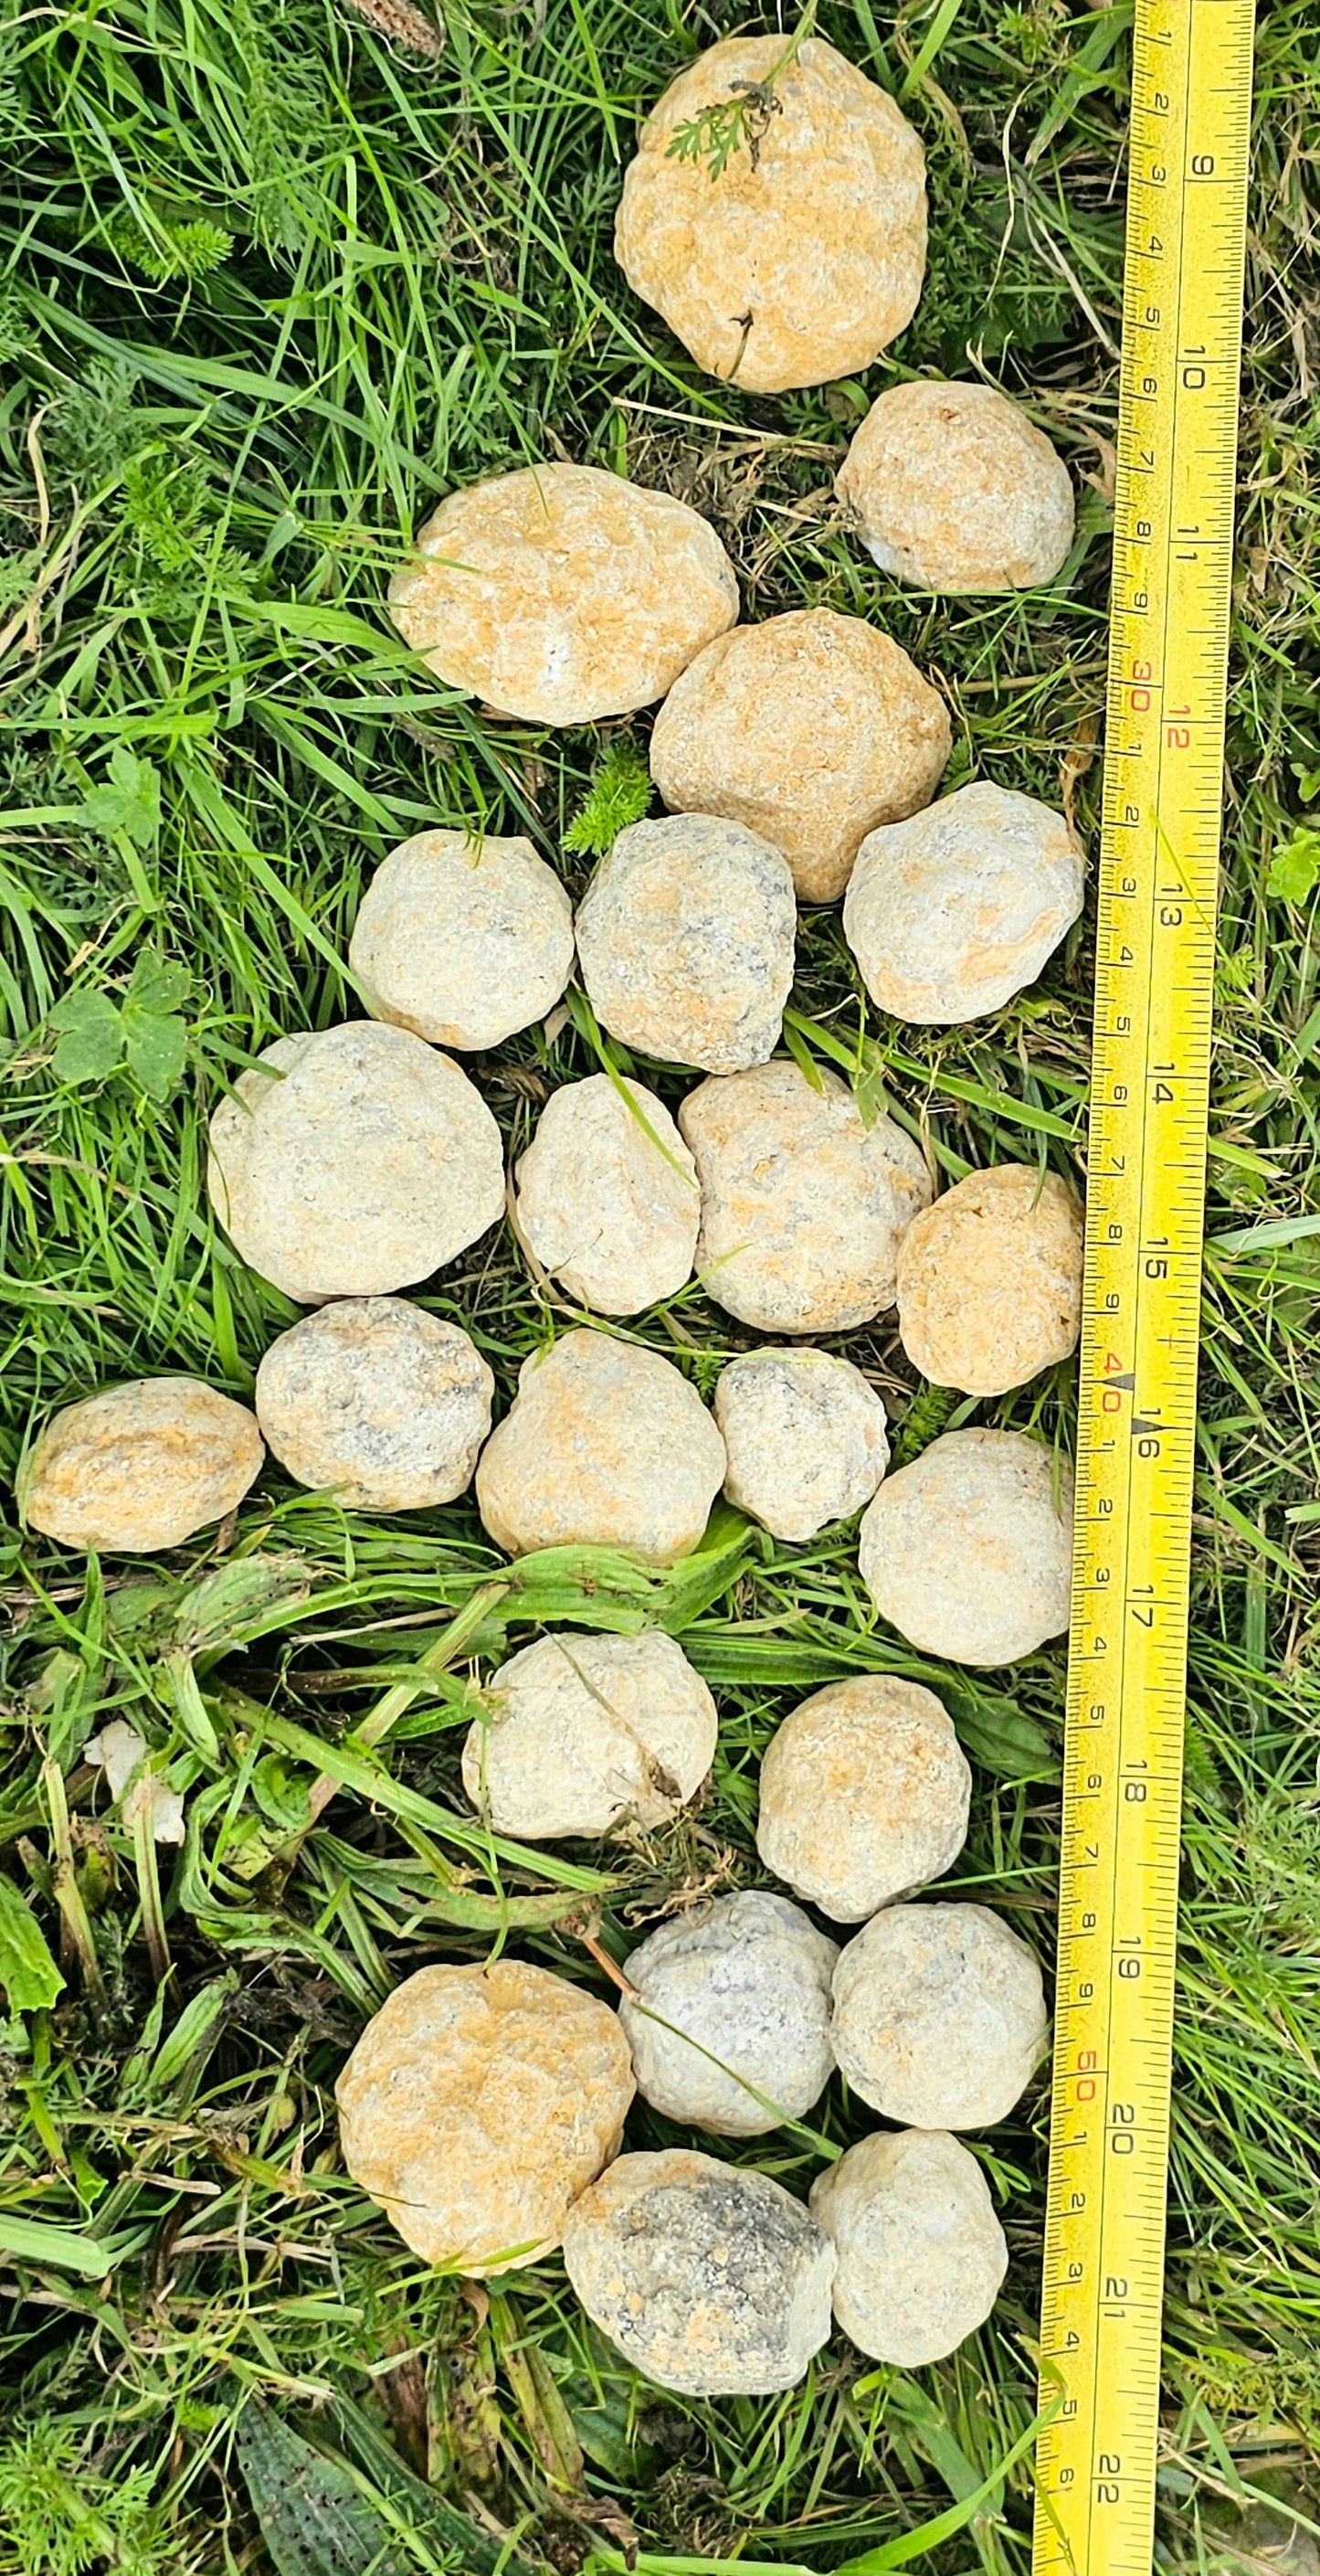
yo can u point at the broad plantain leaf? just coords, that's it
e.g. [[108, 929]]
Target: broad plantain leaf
[[27, 1971]]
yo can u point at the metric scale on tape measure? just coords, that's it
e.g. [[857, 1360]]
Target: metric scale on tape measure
[[1104, 2238]]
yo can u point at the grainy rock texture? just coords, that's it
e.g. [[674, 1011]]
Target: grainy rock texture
[[712, 2281], [747, 1979], [462, 940], [864, 1795], [811, 729], [139, 1467], [922, 2256], [587, 1732], [954, 488], [968, 1552], [685, 937], [939, 2016], [562, 594], [800, 262], [950, 914], [352, 1162], [609, 1208], [377, 1401], [803, 1208], [990, 1280], [604, 1445], [476, 2106], [805, 1437]]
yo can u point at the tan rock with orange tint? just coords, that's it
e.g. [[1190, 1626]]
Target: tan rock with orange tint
[[604, 1445], [951, 913], [685, 937], [967, 1552], [952, 487], [990, 1280], [864, 1795], [139, 1467]]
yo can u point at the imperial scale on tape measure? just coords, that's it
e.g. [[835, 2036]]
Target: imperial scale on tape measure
[[1181, 354]]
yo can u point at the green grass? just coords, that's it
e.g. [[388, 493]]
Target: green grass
[[269, 288]]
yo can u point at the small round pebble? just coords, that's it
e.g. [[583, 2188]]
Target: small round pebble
[[951, 913], [804, 258], [952, 487], [733, 1995], [563, 594], [810, 729], [805, 1438], [968, 1552], [607, 1196], [139, 1467], [604, 1445], [462, 940], [712, 2280], [377, 1402], [353, 1162], [585, 1733], [685, 938], [865, 1793], [939, 2016], [803, 1206], [477, 2105], [922, 2256], [990, 1280]]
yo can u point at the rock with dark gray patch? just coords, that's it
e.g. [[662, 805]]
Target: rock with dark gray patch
[[731, 2014], [377, 1402], [939, 2016], [585, 1733], [922, 2256]]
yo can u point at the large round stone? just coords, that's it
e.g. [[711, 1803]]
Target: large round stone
[[685, 938], [809, 729], [729, 2028], [588, 1732], [968, 1552], [952, 487], [922, 2256], [476, 2106], [604, 1445], [377, 1402], [563, 594], [990, 1280], [462, 940], [607, 1196], [804, 257], [139, 1467], [352, 1162], [805, 1438], [803, 1206], [712, 2280], [939, 2016], [950, 914], [864, 1795]]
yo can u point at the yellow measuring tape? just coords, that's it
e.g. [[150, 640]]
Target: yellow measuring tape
[[1182, 339]]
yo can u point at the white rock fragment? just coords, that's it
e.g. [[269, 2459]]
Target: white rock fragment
[[139, 1467], [586, 1733], [952, 487], [922, 2256], [685, 938], [120, 1751], [377, 1402], [990, 1280], [952, 912], [732, 2012], [864, 1795], [462, 939], [607, 1196], [604, 1445], [968, 1552], [939, 2016], [805, 1438]]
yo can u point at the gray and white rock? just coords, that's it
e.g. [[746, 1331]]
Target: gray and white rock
[[939, 2016], [462, 939], [805, 1438], [585, 1733], [607, 1196], [968, 1552], [952, 487], [685, 939], [951, 912], [711, 2280], [604, 1445], [803, 1207], [732, 2013], [377, 1402], [139, 1467], [990, 1280], [864, 1795], [922, 2256], [353, 1161]]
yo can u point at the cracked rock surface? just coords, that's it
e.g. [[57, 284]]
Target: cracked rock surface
[[922, 2256], [990, 1280], [610, 1209], [968, 1552], [585, 1732], [806, 1439], [865, 1793], [462, 940], [377, 1401], [140, 1466], [686, 942], [735, 1994], [939, 2016], [951, 913], [952, 487], [604, 1445]]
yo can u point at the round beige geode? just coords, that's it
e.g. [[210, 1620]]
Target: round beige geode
[[585, 1733], [377, 1402], [729, 2024], [803, 1207], [563, 594], [685, 938], [139, 1467], [922, 2256], [353, 1162], [805, 1437], [711, 2279], [604, 1445], [939, 2016], [865, 1793], [607, 1196], [990, 1280], [462, 940], [968, 1552], [950, 914], [477, 2105], [952, 487], [805, 257], [810, 729]]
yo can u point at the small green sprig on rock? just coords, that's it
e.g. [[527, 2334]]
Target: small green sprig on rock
[[716, 132]]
